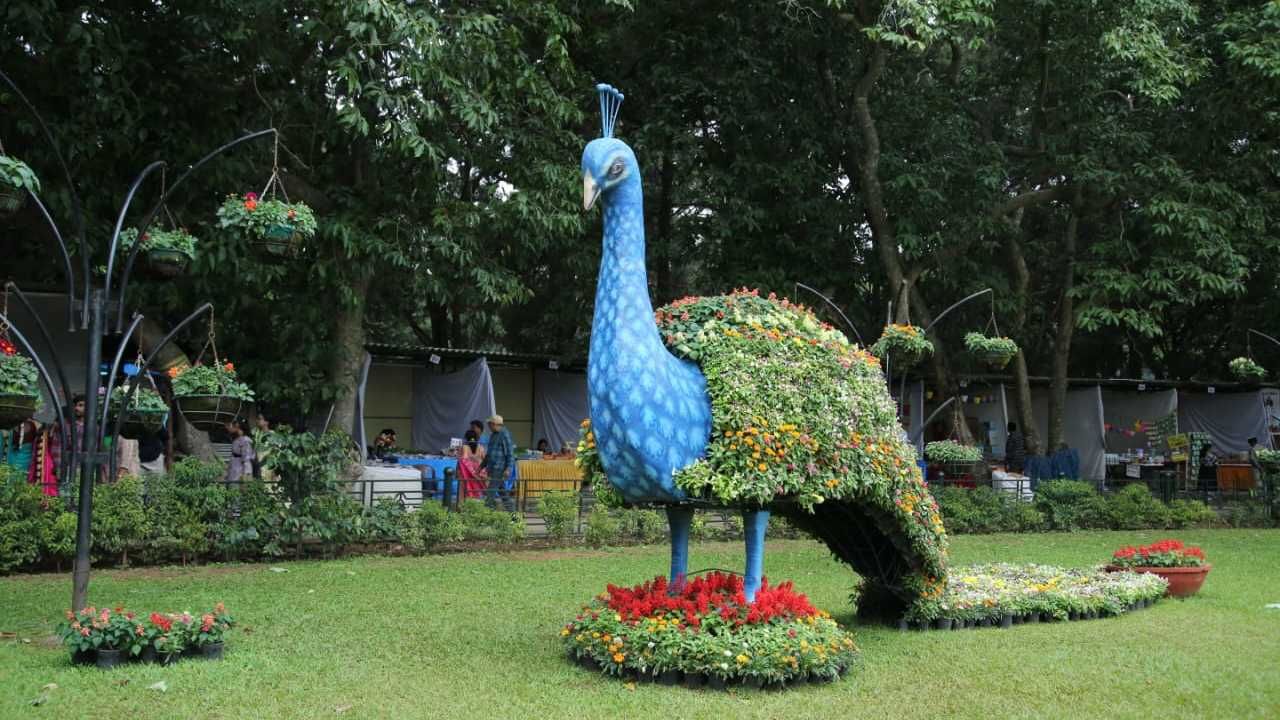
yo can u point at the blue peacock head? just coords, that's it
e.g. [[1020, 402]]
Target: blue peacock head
[[607, 162]]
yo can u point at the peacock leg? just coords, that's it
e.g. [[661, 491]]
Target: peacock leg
[[680, 518], [754, 523]]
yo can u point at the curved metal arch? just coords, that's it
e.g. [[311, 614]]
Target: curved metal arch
[[916, 437], [57, 366], [115, 234], [1259, 333], [76, 206], [146, 222], [111, 385], [44, 375], [66, 261], [953, 307], [847, 322]]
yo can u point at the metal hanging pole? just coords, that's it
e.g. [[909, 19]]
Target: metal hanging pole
[[953, 307]]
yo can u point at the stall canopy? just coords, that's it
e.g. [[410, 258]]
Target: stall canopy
[[444, 404], [559, 406], [1230, 419], [1127, 413]]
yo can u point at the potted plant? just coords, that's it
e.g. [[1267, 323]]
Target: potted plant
[[210, 635], [145, 414], [273, 225], [995, 351], [1183, 566], [80, 635], [958, 459], [1246, 369], [904, 344], [16, 178], [210, 396], [19, 385], [168, 252]]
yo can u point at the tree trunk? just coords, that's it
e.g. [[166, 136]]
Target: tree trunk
[[1022, 399], [190, 440], [942, 376], [1021, 277], [1062, 341], [349, 339]]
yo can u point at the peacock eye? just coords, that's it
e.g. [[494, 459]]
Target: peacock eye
[[616, 168]]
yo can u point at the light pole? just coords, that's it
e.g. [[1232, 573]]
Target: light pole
[[87, 452]]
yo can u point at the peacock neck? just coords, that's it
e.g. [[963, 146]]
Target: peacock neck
[[622, 290]]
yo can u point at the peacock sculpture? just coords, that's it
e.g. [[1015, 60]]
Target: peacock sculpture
[[746, 402]]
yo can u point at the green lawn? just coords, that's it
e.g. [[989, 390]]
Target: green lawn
[[475, 636]]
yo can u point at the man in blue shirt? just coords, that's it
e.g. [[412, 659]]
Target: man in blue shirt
[[498, 460]]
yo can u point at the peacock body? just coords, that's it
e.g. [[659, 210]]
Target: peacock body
[[744, 401]]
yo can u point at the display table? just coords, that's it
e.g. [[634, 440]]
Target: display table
[[539, 476], [1235, 476], [388, 481]]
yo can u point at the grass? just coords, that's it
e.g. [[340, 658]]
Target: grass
[[474, 635]]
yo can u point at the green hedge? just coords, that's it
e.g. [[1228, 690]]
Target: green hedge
[[1074, 505]]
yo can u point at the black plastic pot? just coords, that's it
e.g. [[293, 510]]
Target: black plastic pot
[[212, 651], [755, 681], [1033, 617], [670, 678], [167, 263], [107, 659], [715, 682], [693, 681], [984, 622], [589, 663], [923, 625], [16, 409], [1006, 620], [903, 625], [944, 623], [1073, 615], [83, 657], [211, 412]]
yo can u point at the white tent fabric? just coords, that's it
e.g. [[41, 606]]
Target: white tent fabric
[[1229, 418], [559, 406], [358, 431], [982, 402], [444, 404], [1122, 409], [914, 411]]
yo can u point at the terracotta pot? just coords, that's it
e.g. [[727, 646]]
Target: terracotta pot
[[1183, 581]]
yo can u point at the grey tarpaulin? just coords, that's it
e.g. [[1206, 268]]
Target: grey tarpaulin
[[1124, 408], [1229, 418], [1082, 428], [559, 406], [914, 412], [444, 404], [358, 431], [982, 402]]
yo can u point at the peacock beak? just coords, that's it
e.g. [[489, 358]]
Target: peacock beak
[[590, 191]]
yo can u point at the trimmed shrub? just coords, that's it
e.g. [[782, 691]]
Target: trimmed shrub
[[479, 522], [602, 528], [1133, 508], [559, 510], [120, 520], [429, 526], [1191, 513], [1071, 505], [647, 526]]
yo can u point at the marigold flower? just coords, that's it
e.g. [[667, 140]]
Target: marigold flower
[[250, 205], [174, 372], [229, 367]]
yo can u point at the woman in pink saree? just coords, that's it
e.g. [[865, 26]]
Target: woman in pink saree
[[473, 478]]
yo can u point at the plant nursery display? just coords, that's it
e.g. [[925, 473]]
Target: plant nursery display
[[905, 345], [1004, 594], [995, 351], [209, 396], [703, 631], [19, 385], [108, 637], [1246, 369], [16, 179], [168, 252], [952, 452], [1183, 566]]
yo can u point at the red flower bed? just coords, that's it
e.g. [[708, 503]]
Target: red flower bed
[[718, 594], [1163, 553]]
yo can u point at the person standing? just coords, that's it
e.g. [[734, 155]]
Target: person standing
[[240, 466], [1015, 450], [261, 425], [499, 458], [1255, 465]]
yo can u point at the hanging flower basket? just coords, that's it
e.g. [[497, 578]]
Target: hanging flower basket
[[210, 396], [16, 178], [952, 453], [167, 252], [275, 227], [145, 416], [905, 345], [994, 351], [1247, 370], [19, 386]]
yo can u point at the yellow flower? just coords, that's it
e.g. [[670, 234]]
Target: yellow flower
[[619, 657], [762, 467], [564, 632], [743, 659]]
